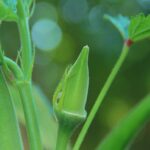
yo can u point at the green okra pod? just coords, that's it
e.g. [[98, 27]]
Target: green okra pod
[[70, 98], [71, 95]]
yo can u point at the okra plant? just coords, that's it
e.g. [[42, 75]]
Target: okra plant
[[69, 100]]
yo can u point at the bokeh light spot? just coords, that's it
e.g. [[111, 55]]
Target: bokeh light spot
[[95, 18], [46, 34]]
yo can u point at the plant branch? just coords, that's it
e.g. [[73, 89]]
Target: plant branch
[[123, 133], [26, 45], [13, 67], [63, 137], [25, 86], [102, 95], [25, 90]]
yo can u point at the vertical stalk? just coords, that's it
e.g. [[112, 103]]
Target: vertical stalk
[[25, 90], [62, 139], [25, 86], [102, 95], [122, 135], [26, 46]]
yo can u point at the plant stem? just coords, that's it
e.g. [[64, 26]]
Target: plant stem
[[63, 137], [128, 127], [25, 90], [102, 95], [26, 45], [13, 67], [25, 86]]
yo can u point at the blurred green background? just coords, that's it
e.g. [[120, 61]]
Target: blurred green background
[[60, 28]]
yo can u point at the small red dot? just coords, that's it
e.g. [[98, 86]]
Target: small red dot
[[129, 42]]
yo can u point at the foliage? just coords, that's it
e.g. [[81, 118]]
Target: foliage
[[10, 136], [71, 94], [139, 27], [121, 23], [8, 10], [125, 131]]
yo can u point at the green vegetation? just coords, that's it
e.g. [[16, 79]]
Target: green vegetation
[[22, 102]]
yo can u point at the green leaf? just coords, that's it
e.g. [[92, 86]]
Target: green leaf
[[47, 124], [10, 4], [121, 23], [10, 136], [8, 10], [125, 131], [139, 27]]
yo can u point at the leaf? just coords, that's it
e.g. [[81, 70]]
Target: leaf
[[139, 27], [9, 129], [11, 4], [125, 131], [8, 10], [121, 23], [48, 126]]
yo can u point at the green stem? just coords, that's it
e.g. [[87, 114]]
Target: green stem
[[25, 86], [63, 136], [26, 45], [128, 127], [13, 67], [101, 96], [25, 90]]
